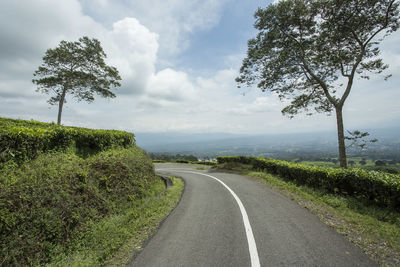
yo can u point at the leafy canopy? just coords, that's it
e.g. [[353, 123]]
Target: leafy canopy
[[77, 68], [310, 51]]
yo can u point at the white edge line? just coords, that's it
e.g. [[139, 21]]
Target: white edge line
[[255, 261]]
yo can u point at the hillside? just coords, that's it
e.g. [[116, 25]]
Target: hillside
[[74, 195]]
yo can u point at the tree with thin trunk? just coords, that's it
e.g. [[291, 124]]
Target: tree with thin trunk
[[76, 68], [311, 52]]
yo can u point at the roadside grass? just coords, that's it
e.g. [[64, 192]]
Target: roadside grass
[[203, 167], [376, 230], [116, 239]]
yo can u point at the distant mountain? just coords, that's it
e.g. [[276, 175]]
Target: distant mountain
[[155, 139], [214, 144]]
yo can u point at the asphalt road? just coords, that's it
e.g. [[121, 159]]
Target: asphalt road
[[208, 227]]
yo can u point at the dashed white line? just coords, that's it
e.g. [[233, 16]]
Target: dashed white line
[[255, 261]]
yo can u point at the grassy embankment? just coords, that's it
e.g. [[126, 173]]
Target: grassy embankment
[[372, 225], [58, 208]]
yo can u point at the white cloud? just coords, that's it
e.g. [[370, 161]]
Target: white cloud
[[266, 103], [28, 28], [173, 20], [130, 46], [133, 50], [171, 85], [152, 97]]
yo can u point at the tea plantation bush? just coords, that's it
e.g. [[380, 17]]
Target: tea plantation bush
[[378, 187], [22, 140], [209, 163], [47, 203]]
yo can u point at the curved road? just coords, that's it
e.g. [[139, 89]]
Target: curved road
[[208, 227]]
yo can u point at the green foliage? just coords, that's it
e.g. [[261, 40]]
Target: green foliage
[[77, 68], [133, 165], [209, 163], [380, 163], [181, 161], [22, 140], [311, 51], [380, 188], [388, 169], [172, 158], [48, 204], [303, 47], [113, 240], [158, 161]]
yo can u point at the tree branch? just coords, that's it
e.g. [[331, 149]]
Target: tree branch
[[309, 71], [351, 78], [320, 82], [342, 70], [384, 25]]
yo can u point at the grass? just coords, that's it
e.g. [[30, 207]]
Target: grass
[[375, 230], [155, 210], [202, 167], [116, 239]]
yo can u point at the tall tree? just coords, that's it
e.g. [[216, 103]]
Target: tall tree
[[310, 51], [76, 68]]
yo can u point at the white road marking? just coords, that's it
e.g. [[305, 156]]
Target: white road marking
[[255, 261]]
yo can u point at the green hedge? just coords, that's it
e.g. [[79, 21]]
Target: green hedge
[[379, 187], [48, 204], [22, 140], [181, 161], [209, 163], [158, 161]]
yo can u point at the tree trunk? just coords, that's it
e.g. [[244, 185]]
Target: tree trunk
[[340, 131], [60, 106]]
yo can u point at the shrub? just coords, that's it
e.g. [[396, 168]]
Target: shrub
[[381, 188], [50, 201], [122, 174], [22, 140], [158, 161], [42, 204], [209, 163], [181, 161]]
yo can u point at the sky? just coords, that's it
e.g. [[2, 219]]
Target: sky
[[178, 60]]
